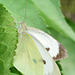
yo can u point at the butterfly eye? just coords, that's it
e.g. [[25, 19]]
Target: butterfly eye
[[44, 61], [47, 49]]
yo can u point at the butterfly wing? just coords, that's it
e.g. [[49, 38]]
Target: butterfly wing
[[28, 59], [54, 48], [50, 67]]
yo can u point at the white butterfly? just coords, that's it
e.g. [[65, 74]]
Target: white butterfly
[[47, 46]]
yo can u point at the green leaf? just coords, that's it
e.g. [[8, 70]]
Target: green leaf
[[60, 67], [7, 47], [15, 71], [8, 41], [39, 14], [1, 67], [71, 24]]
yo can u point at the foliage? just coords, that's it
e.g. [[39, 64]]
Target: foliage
[[43, 14], [8, 40]]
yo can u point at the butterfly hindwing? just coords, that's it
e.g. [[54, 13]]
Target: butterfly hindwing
[[28, 59]]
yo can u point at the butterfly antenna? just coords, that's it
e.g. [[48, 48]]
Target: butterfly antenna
[[23, 21], [25, 12], [25, 8]]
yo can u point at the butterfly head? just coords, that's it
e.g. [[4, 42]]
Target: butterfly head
[[21, 27]]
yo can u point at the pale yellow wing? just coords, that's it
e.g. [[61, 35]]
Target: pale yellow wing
[[28, 59]]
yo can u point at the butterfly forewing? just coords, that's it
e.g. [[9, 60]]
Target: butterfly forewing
[[53, 47]]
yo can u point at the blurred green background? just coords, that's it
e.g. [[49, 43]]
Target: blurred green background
[[68, 64], [68, 9]]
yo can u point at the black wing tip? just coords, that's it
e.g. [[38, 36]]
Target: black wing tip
[[62, 53]]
